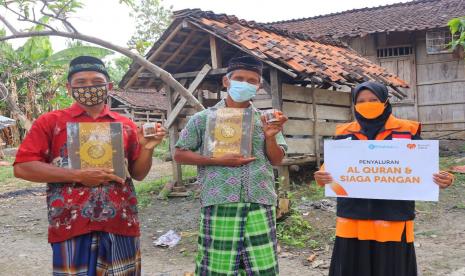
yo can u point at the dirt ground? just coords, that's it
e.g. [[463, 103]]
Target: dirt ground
[[440, 233]]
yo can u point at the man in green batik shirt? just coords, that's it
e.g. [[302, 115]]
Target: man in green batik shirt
[[238, 221]]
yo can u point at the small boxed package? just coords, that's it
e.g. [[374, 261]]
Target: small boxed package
[[150, 129], [272, 115]]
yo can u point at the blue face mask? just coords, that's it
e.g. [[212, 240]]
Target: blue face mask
[[242, 91]]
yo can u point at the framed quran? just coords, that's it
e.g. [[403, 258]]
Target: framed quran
[[96, 145], [229, 131]]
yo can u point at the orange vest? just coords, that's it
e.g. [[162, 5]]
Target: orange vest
[[379, 220], [393, 129]]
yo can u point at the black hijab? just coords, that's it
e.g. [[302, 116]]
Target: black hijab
[[371, 127]]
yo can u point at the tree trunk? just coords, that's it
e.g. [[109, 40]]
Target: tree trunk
[[11, 102], [33, 108]]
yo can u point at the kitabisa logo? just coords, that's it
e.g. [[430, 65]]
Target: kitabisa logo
[[373, 146]]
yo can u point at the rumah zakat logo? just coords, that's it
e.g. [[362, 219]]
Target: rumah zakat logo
[[411, 146]]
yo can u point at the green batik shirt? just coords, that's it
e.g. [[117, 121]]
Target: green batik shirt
[[253, 182]]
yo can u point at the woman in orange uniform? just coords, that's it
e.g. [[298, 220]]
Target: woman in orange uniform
[[375, 237]]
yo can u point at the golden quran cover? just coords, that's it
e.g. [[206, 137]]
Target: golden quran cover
[[229, 131], [96, 145]]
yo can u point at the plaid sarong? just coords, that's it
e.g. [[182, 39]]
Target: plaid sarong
[[237, 239], [97, 253]]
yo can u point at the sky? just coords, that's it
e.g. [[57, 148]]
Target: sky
[[109, 20]]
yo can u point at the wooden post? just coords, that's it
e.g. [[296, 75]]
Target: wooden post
[[283, 171], [414, 81], [173, 135], [215, 53], [200, 96], [352, 106], [277, 101], [316, 135], [276, 89], [176, 109]]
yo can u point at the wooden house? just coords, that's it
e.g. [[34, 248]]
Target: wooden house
[[140, 105], [410, 40], [7, 131], [301, 76]]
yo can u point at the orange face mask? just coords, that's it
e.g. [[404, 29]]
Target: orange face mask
[[370, 110]]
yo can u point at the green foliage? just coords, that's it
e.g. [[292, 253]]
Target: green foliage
[[312, 193], [61, 100], [36, 50], [63, 57], [162, 151], [34, 65], [63, 7], [457, 29], [152, 18], [25, 71], [117, 67], [295, 231]]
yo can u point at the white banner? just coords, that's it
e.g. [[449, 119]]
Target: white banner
[[399, 169]]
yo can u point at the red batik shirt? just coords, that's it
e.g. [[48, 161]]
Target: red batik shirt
[[74, 209]]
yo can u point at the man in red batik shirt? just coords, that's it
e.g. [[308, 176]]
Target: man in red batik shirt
[[93, 225]]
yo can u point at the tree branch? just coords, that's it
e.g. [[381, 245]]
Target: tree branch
[[22, 17], [8, 25], [58, 15], [68, 25], [166, 77]]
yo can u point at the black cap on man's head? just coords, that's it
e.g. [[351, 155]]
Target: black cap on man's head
[[245, 63], [86, 63]]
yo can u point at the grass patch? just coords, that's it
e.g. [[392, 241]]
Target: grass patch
[[162, 151], [296, 232], [188, 171], [459, 183], [460, 206], [146, 190], [311, 192], [428, 233], [450, 196], [451, 161], [6, 172]]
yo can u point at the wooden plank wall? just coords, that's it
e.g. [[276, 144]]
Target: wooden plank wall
[[437, 94], [140, 115], [332, 108], [441, 93]]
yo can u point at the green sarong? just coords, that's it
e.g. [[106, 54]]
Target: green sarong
[[237, 239]]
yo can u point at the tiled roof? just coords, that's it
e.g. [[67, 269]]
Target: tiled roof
[[302, 55], [6, 122], [409, 16], [149, 99]]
